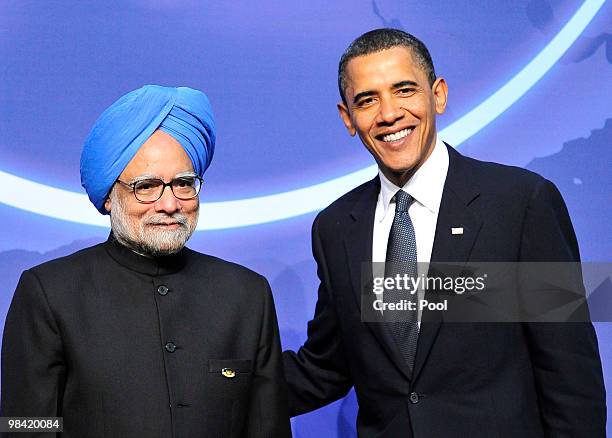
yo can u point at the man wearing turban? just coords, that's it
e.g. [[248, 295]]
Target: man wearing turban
[[140, 336]]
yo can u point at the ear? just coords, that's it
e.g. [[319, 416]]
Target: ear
[[440, 92], [346, 118], [107, 204]]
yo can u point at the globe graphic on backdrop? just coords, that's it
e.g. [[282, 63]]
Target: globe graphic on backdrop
[[303, 158]]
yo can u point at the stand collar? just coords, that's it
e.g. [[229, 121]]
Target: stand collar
[[153, 266]]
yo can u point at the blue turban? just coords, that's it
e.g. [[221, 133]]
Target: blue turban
[[183, 113]]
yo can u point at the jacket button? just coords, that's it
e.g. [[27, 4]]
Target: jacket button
[[162, 290], [170, 347], [414, 398]]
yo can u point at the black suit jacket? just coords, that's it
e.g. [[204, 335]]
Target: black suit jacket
[[125, 346], [470, 379]]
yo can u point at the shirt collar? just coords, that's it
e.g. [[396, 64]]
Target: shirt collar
[[425, 186]]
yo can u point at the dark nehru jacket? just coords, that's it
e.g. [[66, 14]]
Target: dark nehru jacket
[[122, 345]]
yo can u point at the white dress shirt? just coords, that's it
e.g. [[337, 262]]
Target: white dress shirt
[[426, 187]]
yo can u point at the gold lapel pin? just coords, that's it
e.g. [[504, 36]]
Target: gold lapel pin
[[228, 372]]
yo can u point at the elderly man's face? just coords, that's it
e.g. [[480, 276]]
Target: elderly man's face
[[161, 227], [392, 108]]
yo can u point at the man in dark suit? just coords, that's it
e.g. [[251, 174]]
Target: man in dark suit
[[426, 377], [140, 336]]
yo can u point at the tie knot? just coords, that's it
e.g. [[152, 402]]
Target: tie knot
[[402, 201]]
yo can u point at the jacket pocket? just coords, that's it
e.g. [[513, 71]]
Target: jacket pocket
[[228, 381], [229, 367], [229, 378]]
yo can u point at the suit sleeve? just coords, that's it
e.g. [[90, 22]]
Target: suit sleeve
[[317, 374], [565, 356], [33, 366], [268, 416]]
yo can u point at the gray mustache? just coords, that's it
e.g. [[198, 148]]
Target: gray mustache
[[165, 219]]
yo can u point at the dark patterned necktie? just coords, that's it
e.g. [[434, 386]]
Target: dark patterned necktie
[[402, 259]]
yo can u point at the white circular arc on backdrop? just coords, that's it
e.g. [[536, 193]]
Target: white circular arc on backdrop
[[75, 207]]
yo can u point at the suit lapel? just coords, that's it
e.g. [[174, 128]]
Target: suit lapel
[[358, 236], [358, 246], [455, 212]]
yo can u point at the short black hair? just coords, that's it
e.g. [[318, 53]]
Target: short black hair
[[382, 39]]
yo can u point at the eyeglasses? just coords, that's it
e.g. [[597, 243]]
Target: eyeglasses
[[151, 189]]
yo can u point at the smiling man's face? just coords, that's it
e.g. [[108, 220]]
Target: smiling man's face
[[161, 227], [392, 107]]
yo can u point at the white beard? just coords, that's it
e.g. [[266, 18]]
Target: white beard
[[145, 240]]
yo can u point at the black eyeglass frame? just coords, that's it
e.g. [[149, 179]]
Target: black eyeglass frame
[[164, 185]]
